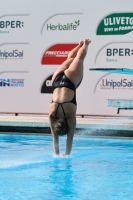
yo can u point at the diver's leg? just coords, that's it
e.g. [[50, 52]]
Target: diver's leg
[[75, 70], [65, 65], [71, 57], [74, 51], [81, 54]]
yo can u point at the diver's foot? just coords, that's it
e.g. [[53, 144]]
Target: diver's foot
[[81, 43], [87, 41]]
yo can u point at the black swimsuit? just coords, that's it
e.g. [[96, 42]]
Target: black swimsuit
[[60, 81]]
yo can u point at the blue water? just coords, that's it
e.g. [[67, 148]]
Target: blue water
[[98, 169]]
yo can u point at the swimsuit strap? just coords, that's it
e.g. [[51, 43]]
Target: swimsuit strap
[[60, 104], [57, 110], [63, 111]]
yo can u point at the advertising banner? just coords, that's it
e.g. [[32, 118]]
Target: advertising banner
[[36, 38]]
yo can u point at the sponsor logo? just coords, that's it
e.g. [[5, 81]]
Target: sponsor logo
[[7, 25], [116, 24], [62, 22], [63, 27], [47, 85], [105, 83], [61, 83], [11, 82], [14, 54], [117, 52], [121, 84], [57, 54], [10, 25]]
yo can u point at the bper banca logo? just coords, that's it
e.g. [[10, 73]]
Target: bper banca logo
[[14, 54], [11, 22], [116, 24], [4, 25], [119, 52], [115, 52]]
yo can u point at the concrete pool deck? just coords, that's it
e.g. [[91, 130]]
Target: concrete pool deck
[[92, 125]]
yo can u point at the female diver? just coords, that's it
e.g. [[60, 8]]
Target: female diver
[[62, 111]]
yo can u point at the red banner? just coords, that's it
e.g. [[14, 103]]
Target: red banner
[[57, 54]]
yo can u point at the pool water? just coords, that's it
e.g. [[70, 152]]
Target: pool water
[[98, 169]]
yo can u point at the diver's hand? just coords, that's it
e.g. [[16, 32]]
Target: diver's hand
[[63, 156], [66, 156]]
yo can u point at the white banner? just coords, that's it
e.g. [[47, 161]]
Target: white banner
[[36, 37]]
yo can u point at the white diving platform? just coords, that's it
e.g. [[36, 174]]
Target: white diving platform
[[121, 104]]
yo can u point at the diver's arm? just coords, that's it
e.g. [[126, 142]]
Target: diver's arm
[[70, 135], [56, 145], [55, 137]]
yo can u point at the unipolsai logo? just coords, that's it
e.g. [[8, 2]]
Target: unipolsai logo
[[123, 84], [11, 82], [70, 26], [14, 54]]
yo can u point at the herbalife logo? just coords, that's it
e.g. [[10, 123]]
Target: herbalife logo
[[63, 27]]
